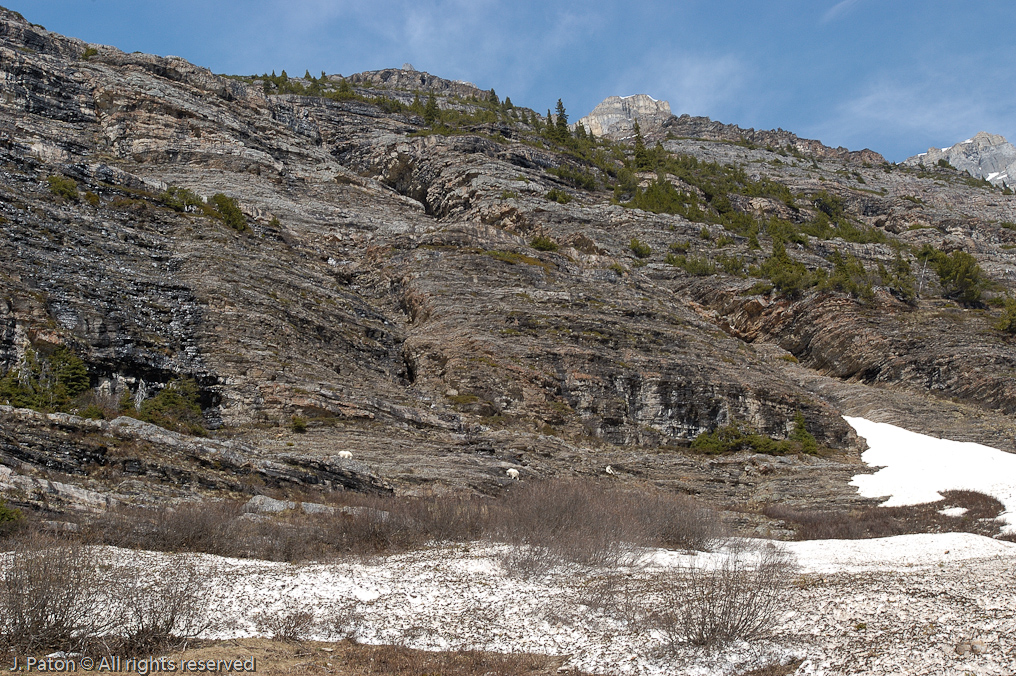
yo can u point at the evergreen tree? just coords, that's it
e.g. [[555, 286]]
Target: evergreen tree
[[562, 123], [431, 112], [308, 76], [493, 98], [508, 103], [643, 160]]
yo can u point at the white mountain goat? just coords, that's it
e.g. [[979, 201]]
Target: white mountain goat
[[513, 474], [345, 454]]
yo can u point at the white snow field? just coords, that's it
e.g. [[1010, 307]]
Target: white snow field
[[916, 467], [896, 605]]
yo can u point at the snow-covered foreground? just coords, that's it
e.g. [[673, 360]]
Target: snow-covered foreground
[[882, 606], [916, 467], [897, 605]]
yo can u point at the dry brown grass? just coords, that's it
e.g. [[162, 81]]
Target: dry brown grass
[[345, 658], [774, 669], [876, 522]]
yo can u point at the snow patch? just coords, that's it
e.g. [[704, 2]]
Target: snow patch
[[953, 511], [916, 467], [895, 553]]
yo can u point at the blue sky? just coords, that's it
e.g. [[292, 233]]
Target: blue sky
[[895, 76]]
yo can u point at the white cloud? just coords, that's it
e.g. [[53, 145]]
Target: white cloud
[[691, 83], [838, 10]]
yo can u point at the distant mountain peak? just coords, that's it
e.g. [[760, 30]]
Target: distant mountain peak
[[987, 156], [615, 116]]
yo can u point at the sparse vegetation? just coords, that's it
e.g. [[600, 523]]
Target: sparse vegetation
[[58, 595], [176, 407], [1007, 322], [961, 277], [49, 379], [229, 212], [732, 438], [559, 196], [543, 243], [700, 266], [62, 186], [640, 249], [876, 522]]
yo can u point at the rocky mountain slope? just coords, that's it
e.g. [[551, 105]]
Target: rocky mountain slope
[[987, 156], [240, 277]]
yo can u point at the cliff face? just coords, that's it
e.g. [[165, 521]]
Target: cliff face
[[615, 116], [704, 128], [987, 156], [384, 291]]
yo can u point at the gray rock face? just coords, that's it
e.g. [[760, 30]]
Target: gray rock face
[[615, 117], [687, 126], [987, 156], [266, 505], [408, 79]]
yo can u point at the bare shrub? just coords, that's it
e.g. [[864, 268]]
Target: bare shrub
[[341, 621], [551, 523], [679, 521], [160, 610], [618, 596], [188, 527], [546, 523], [555, 522], [291, 625], [61, 595], [740, 597], [218, 528], [50, 596], [452, 519]]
